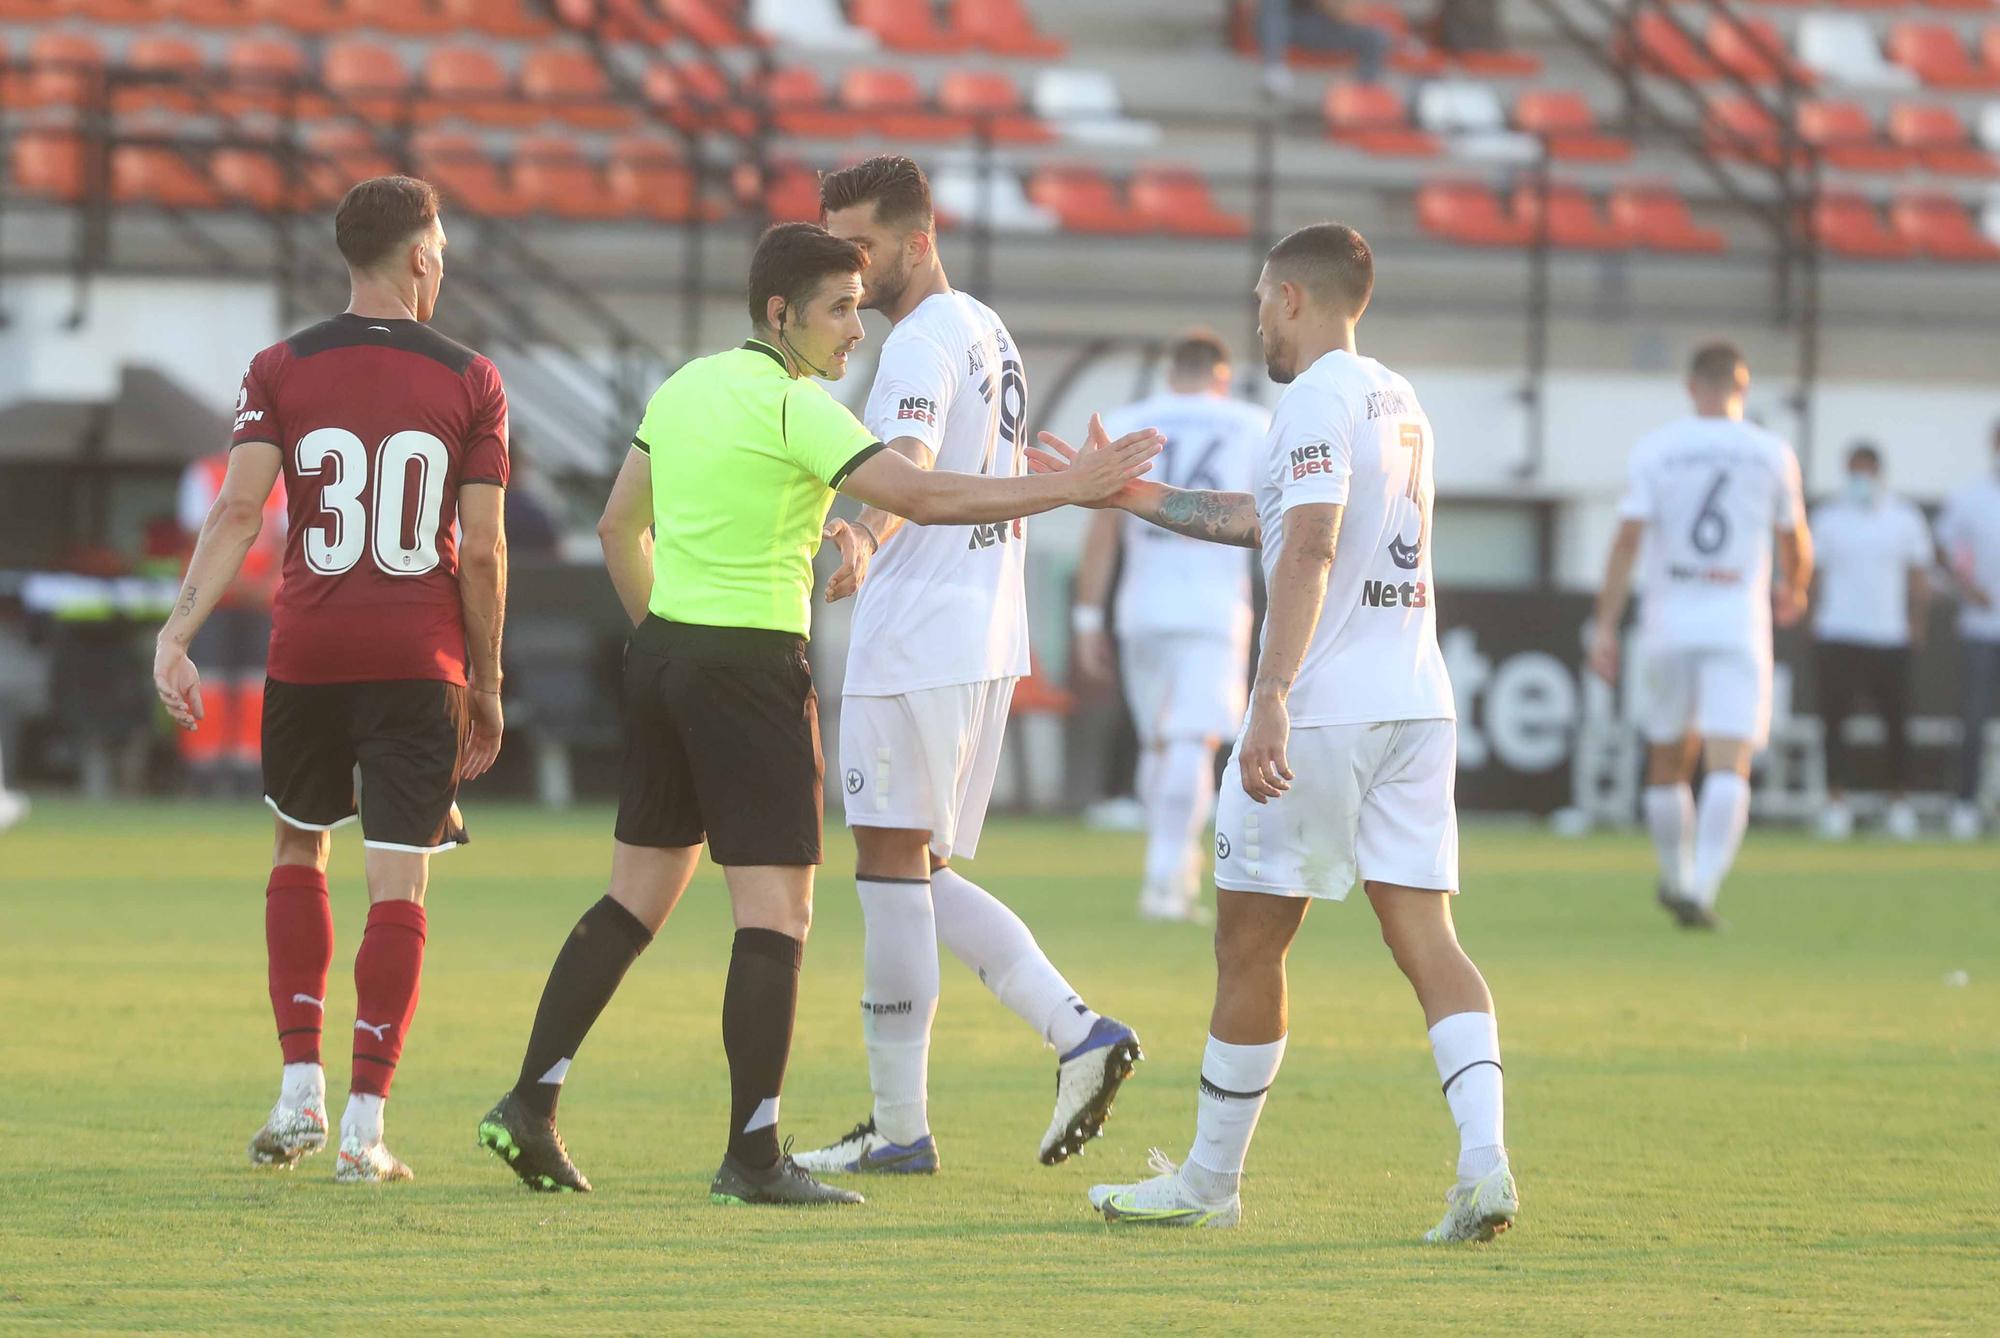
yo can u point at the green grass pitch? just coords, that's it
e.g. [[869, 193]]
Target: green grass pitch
[[1794, 1127]]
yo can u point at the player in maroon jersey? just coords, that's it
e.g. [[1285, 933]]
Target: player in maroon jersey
[[385, 642]]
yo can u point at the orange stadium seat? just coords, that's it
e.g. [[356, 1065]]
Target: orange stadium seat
[[1658, 44], [709, 23], [1743, 129], [1938, 138], [800, 105], [1083, 200], [696, 96], [250, 175], [176, 60], [1753, 50], [1940, 227], [313, 17], [1005, 28], [570, 85], [161, 175], [1658, 219], [1989, 45], [628, 21], [894, 106], [1573, 219], [1934, 53], [518, 20], [1177, 200], [48, 164], [412, 18], [463, 172], [1964, 6], [369, 78], [1564, 121], [993, 101], [64, 67], [646, 178], [125, 13], [553, 177], [211, 13], [337, 156], [1469, 214], [1372, 118], [1846, 138], [907, 25], [1848, 225], [791, 194], [469, 82], [265, 75]]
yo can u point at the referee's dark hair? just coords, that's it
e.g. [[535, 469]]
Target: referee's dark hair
[[1715, 363], [380, 214], [1331, 261], [896, 185], [790, 262], [1199, 352]]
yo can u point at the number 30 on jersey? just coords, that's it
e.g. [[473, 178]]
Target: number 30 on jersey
[[335, 546]]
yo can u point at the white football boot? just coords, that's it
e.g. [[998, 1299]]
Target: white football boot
[[1965, 821], [1479, 1210], [1165, 1201], [1087, 1082], [1836, 822], [1900, 821], [292, 1134], [368, 1164]]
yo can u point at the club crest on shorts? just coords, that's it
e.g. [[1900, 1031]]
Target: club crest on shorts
[[1221, 846], [854, 780]]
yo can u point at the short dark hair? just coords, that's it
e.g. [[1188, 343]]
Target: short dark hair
[[792, 259], [897, 186], [380, 214], [1864, 451], [1715, 362], [1197, 352], [1329, 260]]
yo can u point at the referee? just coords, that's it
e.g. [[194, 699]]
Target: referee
[[709, 536]]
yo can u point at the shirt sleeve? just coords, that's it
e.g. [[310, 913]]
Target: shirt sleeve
[[822, 437], [486, 458], [912, 393], [1639, 501], [1791, 500], [1315, 451], [256, 417]]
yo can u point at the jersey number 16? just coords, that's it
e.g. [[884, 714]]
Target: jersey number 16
[[334, 547]]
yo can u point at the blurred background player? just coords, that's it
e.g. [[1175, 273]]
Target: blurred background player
[[1872, 558], [385, 641], [1182, 617], [1715, 495], [1968, 536], [939, 639], [222, 757], [1350, 683]]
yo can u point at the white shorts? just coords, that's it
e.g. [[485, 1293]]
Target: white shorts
[[1374, 800], [1718, 694], [925, 761], [1184, 685]]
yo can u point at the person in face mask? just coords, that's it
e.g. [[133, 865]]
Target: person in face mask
[[1968, 540], [1874, 556]]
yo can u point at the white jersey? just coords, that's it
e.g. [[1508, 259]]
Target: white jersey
[[1168, 582], [1711, 491], [1864, 552], [947, 604], [1968, 531], [1350, 431]]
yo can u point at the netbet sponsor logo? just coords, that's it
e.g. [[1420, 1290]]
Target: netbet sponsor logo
[[1313, 458], [918, 407], [1389, 595], [993, 534]]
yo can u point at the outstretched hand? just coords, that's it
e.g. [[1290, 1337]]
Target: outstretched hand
[[1103, 469], [857, 550]]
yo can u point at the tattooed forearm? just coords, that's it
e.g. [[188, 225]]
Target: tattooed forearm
[[1218, 517], [186, 606]]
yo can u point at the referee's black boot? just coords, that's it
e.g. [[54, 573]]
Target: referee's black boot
[[784, 1181], [531, 1147]]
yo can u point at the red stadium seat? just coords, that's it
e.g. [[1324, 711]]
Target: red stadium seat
[[1573, 219], [315, 18], [1933, 132], [159, 175], [571, 85], [49, 165], [993, 102], [369, 78], [553, 177], [463, 172], [801, 106], [469, 82], [412, 18], [1177, 200], [1469, 214], [1565, 122], [1934, 53], [895, 107], [791, 194], [1940, 227], [696, 96], [1848, 225], [1083, 200], [254, 176], [1497, 64], [1005, 28], [1989, 45], [64, 70], [1658, 45], [176, 60], [906, 25], [1741, 128], [268, 75], [1371, 118], [1752, 50], [646, 178], [1658, 219], [211, 13], [126, 13], [517, 20], [1846, 138], [337, 156], [709, 23]]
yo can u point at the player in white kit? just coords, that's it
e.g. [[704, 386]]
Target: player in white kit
[[1716, 496], [939, 638], [1348, 758], [1182, 617]]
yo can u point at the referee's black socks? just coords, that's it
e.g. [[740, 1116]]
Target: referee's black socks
[[758, 1004], [595, 957]]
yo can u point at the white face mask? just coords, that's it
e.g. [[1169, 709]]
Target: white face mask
[[1862, 489]]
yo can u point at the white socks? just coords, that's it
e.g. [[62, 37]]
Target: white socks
[[1179, 796], [362, 1120], [1670, 818], [303, 1085], [1234, 1079], [1467, 1049], [899, 994], [989, 938], [1723, 814]]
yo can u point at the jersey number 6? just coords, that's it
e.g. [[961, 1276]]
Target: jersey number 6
[[333, 548]]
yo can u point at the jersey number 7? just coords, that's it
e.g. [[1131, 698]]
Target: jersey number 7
[[334, 547]]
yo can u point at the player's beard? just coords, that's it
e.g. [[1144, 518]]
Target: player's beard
[[887, 291], [1279, 363]]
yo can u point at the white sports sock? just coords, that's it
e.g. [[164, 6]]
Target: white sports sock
[[899, 994], [1467, 1049], [1719, 822], [1234, 1080], [989, 938], [1670, 817], [303, 1085], [1179, 798], [362, 1120]]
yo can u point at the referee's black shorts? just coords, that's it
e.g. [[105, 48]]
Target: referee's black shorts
[[721, 743]]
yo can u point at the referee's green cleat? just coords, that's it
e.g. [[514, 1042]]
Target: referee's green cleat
[[531, 1147], [782, 1182]]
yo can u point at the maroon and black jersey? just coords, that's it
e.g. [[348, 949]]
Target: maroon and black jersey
[[380, 422]]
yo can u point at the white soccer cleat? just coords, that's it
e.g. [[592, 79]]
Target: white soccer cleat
[[1480, 1210], [1836, 823], [292, 1134], [862, 1149], [1900, 822], [1165, 1201], [1964, 824], [1087, 1082], [1173, 905], [368, 1164]]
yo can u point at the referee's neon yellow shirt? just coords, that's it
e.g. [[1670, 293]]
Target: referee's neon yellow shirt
[[745, 460]]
